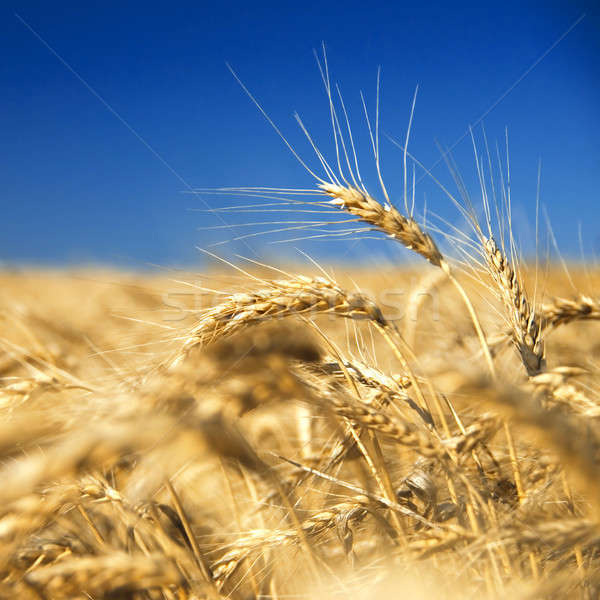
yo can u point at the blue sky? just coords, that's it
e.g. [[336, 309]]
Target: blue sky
[[78, 184]]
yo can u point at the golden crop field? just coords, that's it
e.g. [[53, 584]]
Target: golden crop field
[[382, 379], [427, 431]]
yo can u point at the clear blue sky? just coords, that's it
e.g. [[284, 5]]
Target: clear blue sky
[[77, 185]]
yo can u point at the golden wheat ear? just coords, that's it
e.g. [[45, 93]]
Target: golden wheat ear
[[560, 311], [385, 218], [525, 323], [283, 298]]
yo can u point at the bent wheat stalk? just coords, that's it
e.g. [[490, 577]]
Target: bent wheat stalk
[[408, 232]]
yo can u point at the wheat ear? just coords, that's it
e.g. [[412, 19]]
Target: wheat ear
[[339, 515], [408, 232], [560, 311], [296, 296], [525, 323], [385, 218]]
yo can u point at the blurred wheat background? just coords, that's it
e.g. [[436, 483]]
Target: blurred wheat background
[[300, 455]]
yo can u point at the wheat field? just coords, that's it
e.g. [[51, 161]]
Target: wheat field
[[291, 436], [424, 430]]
